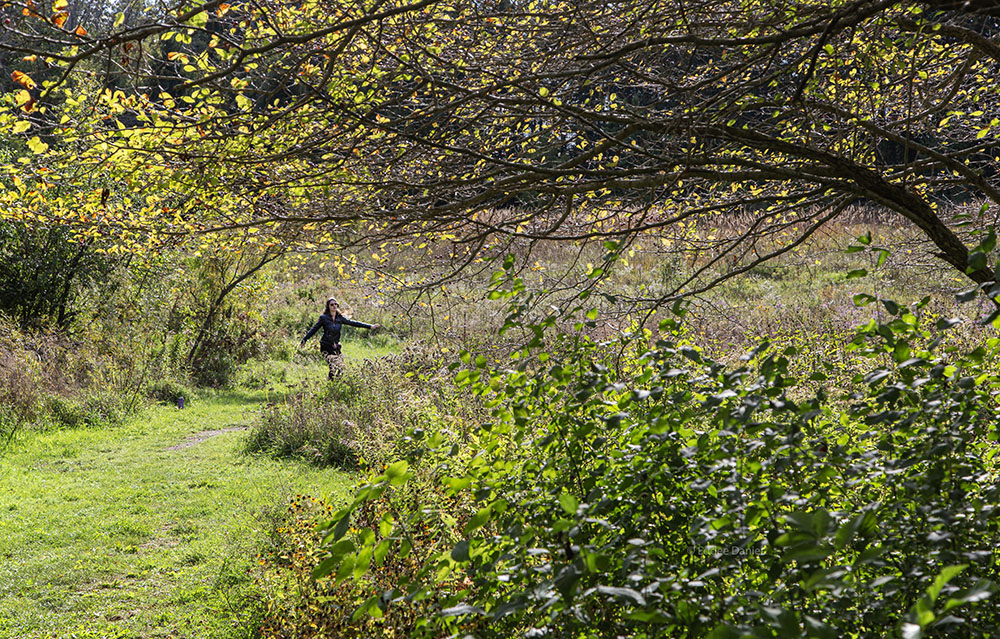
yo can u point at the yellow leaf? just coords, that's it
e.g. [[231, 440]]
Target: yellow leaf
[[24, 100], [21, 126], [37, 146]]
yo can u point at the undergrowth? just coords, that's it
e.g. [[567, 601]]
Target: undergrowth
[[639, 488], [359, 418]]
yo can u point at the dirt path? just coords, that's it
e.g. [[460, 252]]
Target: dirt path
[[197, 438]]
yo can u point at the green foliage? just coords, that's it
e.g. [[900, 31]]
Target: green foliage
[[169, 390], [298, 607], [10, 423], [93, 409], [44, 270], [308, 427], [358, 417], [637, 488], [221, 352]]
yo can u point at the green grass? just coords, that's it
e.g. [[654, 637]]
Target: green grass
[[111, 533]]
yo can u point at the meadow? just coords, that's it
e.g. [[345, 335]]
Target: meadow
[[526, 453]]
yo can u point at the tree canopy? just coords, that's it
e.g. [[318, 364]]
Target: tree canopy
[[493, 123]]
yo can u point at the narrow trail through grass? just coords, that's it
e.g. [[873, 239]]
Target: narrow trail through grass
[[147, 530]]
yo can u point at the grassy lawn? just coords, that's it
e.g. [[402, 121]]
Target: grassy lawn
[[147, 530]]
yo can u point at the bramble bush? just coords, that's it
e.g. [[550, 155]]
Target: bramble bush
[[676, 496]]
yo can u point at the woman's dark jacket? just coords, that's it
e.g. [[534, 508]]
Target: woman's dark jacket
[[331, 330]]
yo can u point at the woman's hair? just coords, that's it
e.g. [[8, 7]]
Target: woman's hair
[[326, 307]]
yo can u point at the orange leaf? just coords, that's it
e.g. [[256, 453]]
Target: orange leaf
[[80, 31], [60, 19], [23, 79], [223, 8]]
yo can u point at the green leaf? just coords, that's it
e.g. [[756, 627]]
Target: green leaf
[[858, 272], [947, 574], [967, 295], [343, 523], [325, 567], [883, 254], [461, 551], [199, 19], [623, 593], [990, 243], [479, 519], [569, 503], [981, 591], [396, 472], [977, 261], [381, 550], [648, 616]]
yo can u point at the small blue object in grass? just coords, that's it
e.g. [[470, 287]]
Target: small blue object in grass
[[180, 402]]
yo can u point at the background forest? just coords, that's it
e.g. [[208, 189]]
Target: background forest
[[688, 319]]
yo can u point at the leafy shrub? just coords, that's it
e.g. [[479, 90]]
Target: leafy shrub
[[108, 407], [168, 390], [66, 413], [306, 427], [95, 409], [223, 351], [676, 496], [297, 606], [43, 272], [262, 375], [361, 415], [19, 375]]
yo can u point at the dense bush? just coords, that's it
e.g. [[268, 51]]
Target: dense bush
[[48, 380], [296, 606], [676, 496], [359, 416], [44, 271], [223, 350], [306, 425], [93, 409], [19, 381]]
